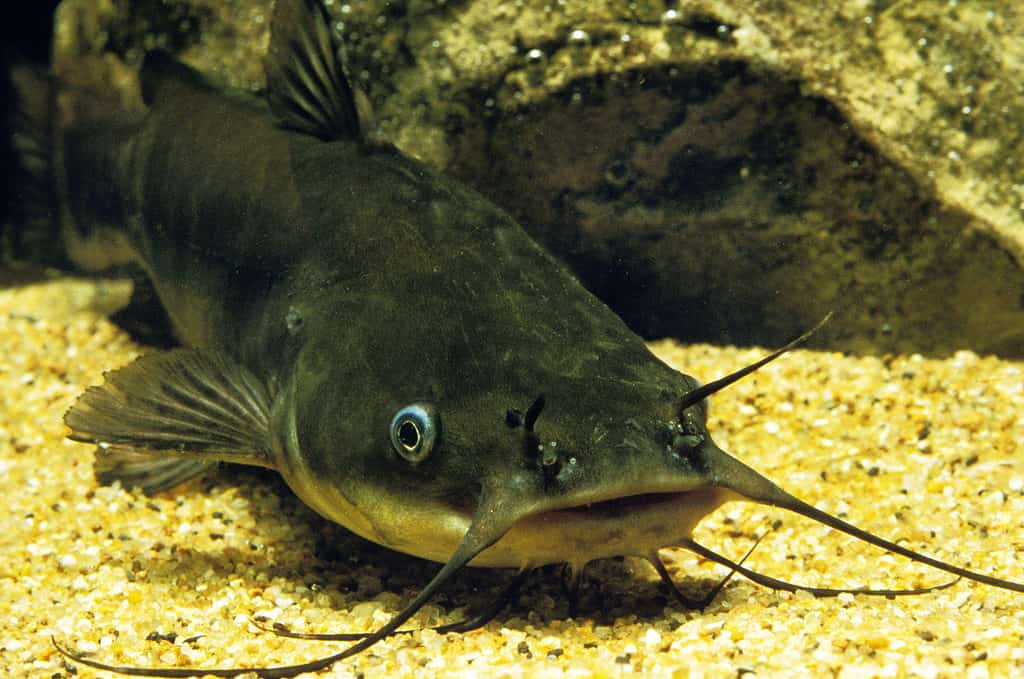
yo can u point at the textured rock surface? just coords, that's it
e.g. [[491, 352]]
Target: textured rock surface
[[714, 170]]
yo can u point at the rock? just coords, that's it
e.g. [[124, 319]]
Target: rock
[[713, 170]]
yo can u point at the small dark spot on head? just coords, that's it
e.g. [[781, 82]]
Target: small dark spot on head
[[513, 418]]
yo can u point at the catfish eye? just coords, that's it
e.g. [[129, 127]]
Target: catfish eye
[[414, 431]]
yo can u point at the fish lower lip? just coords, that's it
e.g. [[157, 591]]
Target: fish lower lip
[[636, 521], [624, 504]]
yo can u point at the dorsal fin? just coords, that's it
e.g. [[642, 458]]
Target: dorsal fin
[[308, 85]]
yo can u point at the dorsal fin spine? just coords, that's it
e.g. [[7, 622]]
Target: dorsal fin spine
[[308, 87]]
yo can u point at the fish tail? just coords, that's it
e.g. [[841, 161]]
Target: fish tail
[[31, 232]]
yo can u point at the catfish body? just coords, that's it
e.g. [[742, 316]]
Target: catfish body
[[349, 281], [412, 363]]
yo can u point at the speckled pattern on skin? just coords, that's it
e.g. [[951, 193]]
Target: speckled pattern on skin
[[918, 450]]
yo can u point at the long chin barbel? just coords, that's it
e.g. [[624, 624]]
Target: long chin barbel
[[482, 535]]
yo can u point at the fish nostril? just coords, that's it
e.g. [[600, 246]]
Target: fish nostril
[[548, 454], [550, 461], [551, 471], [685, 446], [513, 418]]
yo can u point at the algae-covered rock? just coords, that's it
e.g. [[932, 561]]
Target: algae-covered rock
[[712, 169]]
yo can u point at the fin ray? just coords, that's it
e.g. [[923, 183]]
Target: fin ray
[[152, 472], [308, 86]]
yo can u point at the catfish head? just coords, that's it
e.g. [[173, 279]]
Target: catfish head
[[566, 469], [557, 424], [490, 410], [618, 464]]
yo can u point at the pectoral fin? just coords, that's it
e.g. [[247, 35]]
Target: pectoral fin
[[169, 416], [152, 472]]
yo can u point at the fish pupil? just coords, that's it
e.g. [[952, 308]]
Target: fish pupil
[[409, 435]]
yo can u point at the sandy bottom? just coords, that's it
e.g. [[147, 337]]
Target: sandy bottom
[[922, 451]]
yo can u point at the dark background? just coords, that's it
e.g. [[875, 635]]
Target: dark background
[[28, 30]]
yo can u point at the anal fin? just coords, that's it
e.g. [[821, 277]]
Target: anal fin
[[169, 416]]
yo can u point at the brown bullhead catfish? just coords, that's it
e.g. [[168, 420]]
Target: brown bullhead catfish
[[394, 345]]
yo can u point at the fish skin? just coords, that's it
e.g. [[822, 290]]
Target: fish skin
[[352, 281]]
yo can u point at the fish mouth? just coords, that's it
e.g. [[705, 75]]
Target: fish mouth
[[623, 504], [625, 524]]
